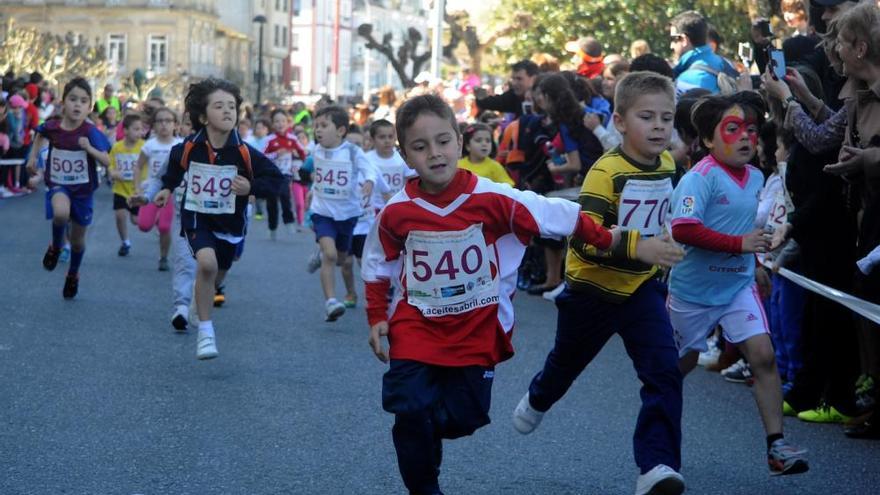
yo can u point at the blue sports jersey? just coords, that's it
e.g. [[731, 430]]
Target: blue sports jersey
[[710, 196]]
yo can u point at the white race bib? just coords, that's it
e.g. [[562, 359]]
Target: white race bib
[[369, 213], [209, 188], [449, 272], [644, 205], [394, 177], [332, 178], [284, 164], [125, 163], [157, 161], [779, 212], [69, 168]]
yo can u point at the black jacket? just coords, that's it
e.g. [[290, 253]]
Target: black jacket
[[265, 180], [507, 102]]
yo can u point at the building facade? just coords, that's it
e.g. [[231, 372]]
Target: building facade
[[321, 28], [192, 39]]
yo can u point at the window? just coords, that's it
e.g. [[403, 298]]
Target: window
[[157, 48], [294, 41], [285, 5], [277, 4], [284, 37], [297, 6], [116, 49], [295, 73], [277, 38]]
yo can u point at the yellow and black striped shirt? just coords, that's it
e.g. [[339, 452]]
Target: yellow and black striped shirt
[[614, 275]]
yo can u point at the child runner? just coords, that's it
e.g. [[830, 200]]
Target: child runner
[[337, 202], [450, 243], [125, 174], [220, 171], [478, 146], [284, 150], [153, 160], [713, 214], [71, 176], [629, 186]]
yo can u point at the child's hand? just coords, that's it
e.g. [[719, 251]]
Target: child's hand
[[592, 121], [116, 175], [378, 331], [137, 200], [161, 198], [615, 237], [659, 250], [32, 168], [240, 186], [756, 241], [780, 235]]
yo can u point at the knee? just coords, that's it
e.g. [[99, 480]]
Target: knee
[[207, 267], [330, 257]]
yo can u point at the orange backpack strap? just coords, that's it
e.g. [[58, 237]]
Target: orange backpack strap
[[246, 156], [184, 158]]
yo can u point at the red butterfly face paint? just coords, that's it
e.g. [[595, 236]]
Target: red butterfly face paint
[[728, 145], [732, 128]]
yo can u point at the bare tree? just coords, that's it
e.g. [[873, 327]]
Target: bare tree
[[461, 29], [56, 57], [400, 58]]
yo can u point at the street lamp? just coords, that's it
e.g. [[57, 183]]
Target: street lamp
[[261, 19]]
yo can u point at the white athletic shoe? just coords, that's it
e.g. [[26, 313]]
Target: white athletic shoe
[[335, 309], [662, 480], [709, 357], [314, 262], [525, 417], [206, 346]]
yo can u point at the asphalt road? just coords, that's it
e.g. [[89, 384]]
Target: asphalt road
[[100, 396]]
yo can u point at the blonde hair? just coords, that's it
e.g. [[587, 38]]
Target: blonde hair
[[639, 48], [640, 83], [862, 23]]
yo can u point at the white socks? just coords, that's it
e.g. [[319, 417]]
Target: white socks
[[206, 327]]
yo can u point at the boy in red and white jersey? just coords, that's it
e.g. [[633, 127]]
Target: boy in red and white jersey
[[451, 242], [287, 154]]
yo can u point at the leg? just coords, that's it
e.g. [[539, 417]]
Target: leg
[[578, 340], [166, 218], [688, 362], [328, 266], [272, 211], [347, 270], [121, 226], [648, 337], [758, 351], [284, 199], [77, 246], [183, 276], [206, 275], [554, 258], [299, 199], [776, 313]]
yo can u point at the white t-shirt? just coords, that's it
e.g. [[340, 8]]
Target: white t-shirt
[[371, 206], [336, 192], [393, 170], [157, 155]]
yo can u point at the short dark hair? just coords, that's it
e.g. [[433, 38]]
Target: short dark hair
[[276, 112], [530, 67], [130, 119], [355, 129], [651, 63], [692, 24], [336, 114], [77, 82], [712, 34], [265, 122], [415, 107], [378, 124], [196, 101], [707, 112], [160, 110]]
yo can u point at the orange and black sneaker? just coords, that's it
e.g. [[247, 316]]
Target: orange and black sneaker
[[50, 259], [71, 286], [219, 297]]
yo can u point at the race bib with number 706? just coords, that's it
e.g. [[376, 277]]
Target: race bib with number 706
[[644, 206], [332, 178], [209, 188], [68, 168], [449, 272]]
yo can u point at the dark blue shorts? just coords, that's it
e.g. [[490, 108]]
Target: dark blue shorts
[[340, 230], [457, 399], [81, 208], [223, 250]]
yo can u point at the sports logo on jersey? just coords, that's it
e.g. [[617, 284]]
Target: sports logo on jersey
[[751, 317], [687, 205], [723, 200]]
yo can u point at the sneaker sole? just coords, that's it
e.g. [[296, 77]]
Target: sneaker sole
[[335, 314], [179, 323], [207, 355], [797, 467], [669, 486], [736, 380]]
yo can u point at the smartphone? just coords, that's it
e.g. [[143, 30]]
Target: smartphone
[[745, 52], [528, 108], [777, 63]]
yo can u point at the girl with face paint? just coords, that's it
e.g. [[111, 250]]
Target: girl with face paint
[[713, 214]]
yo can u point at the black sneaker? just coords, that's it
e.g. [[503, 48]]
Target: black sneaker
[[163, 265], [124, 249], [740, 372], [71, 286], [50, 259], [219, 297]]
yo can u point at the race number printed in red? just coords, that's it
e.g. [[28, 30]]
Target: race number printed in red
[[450, 272]]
